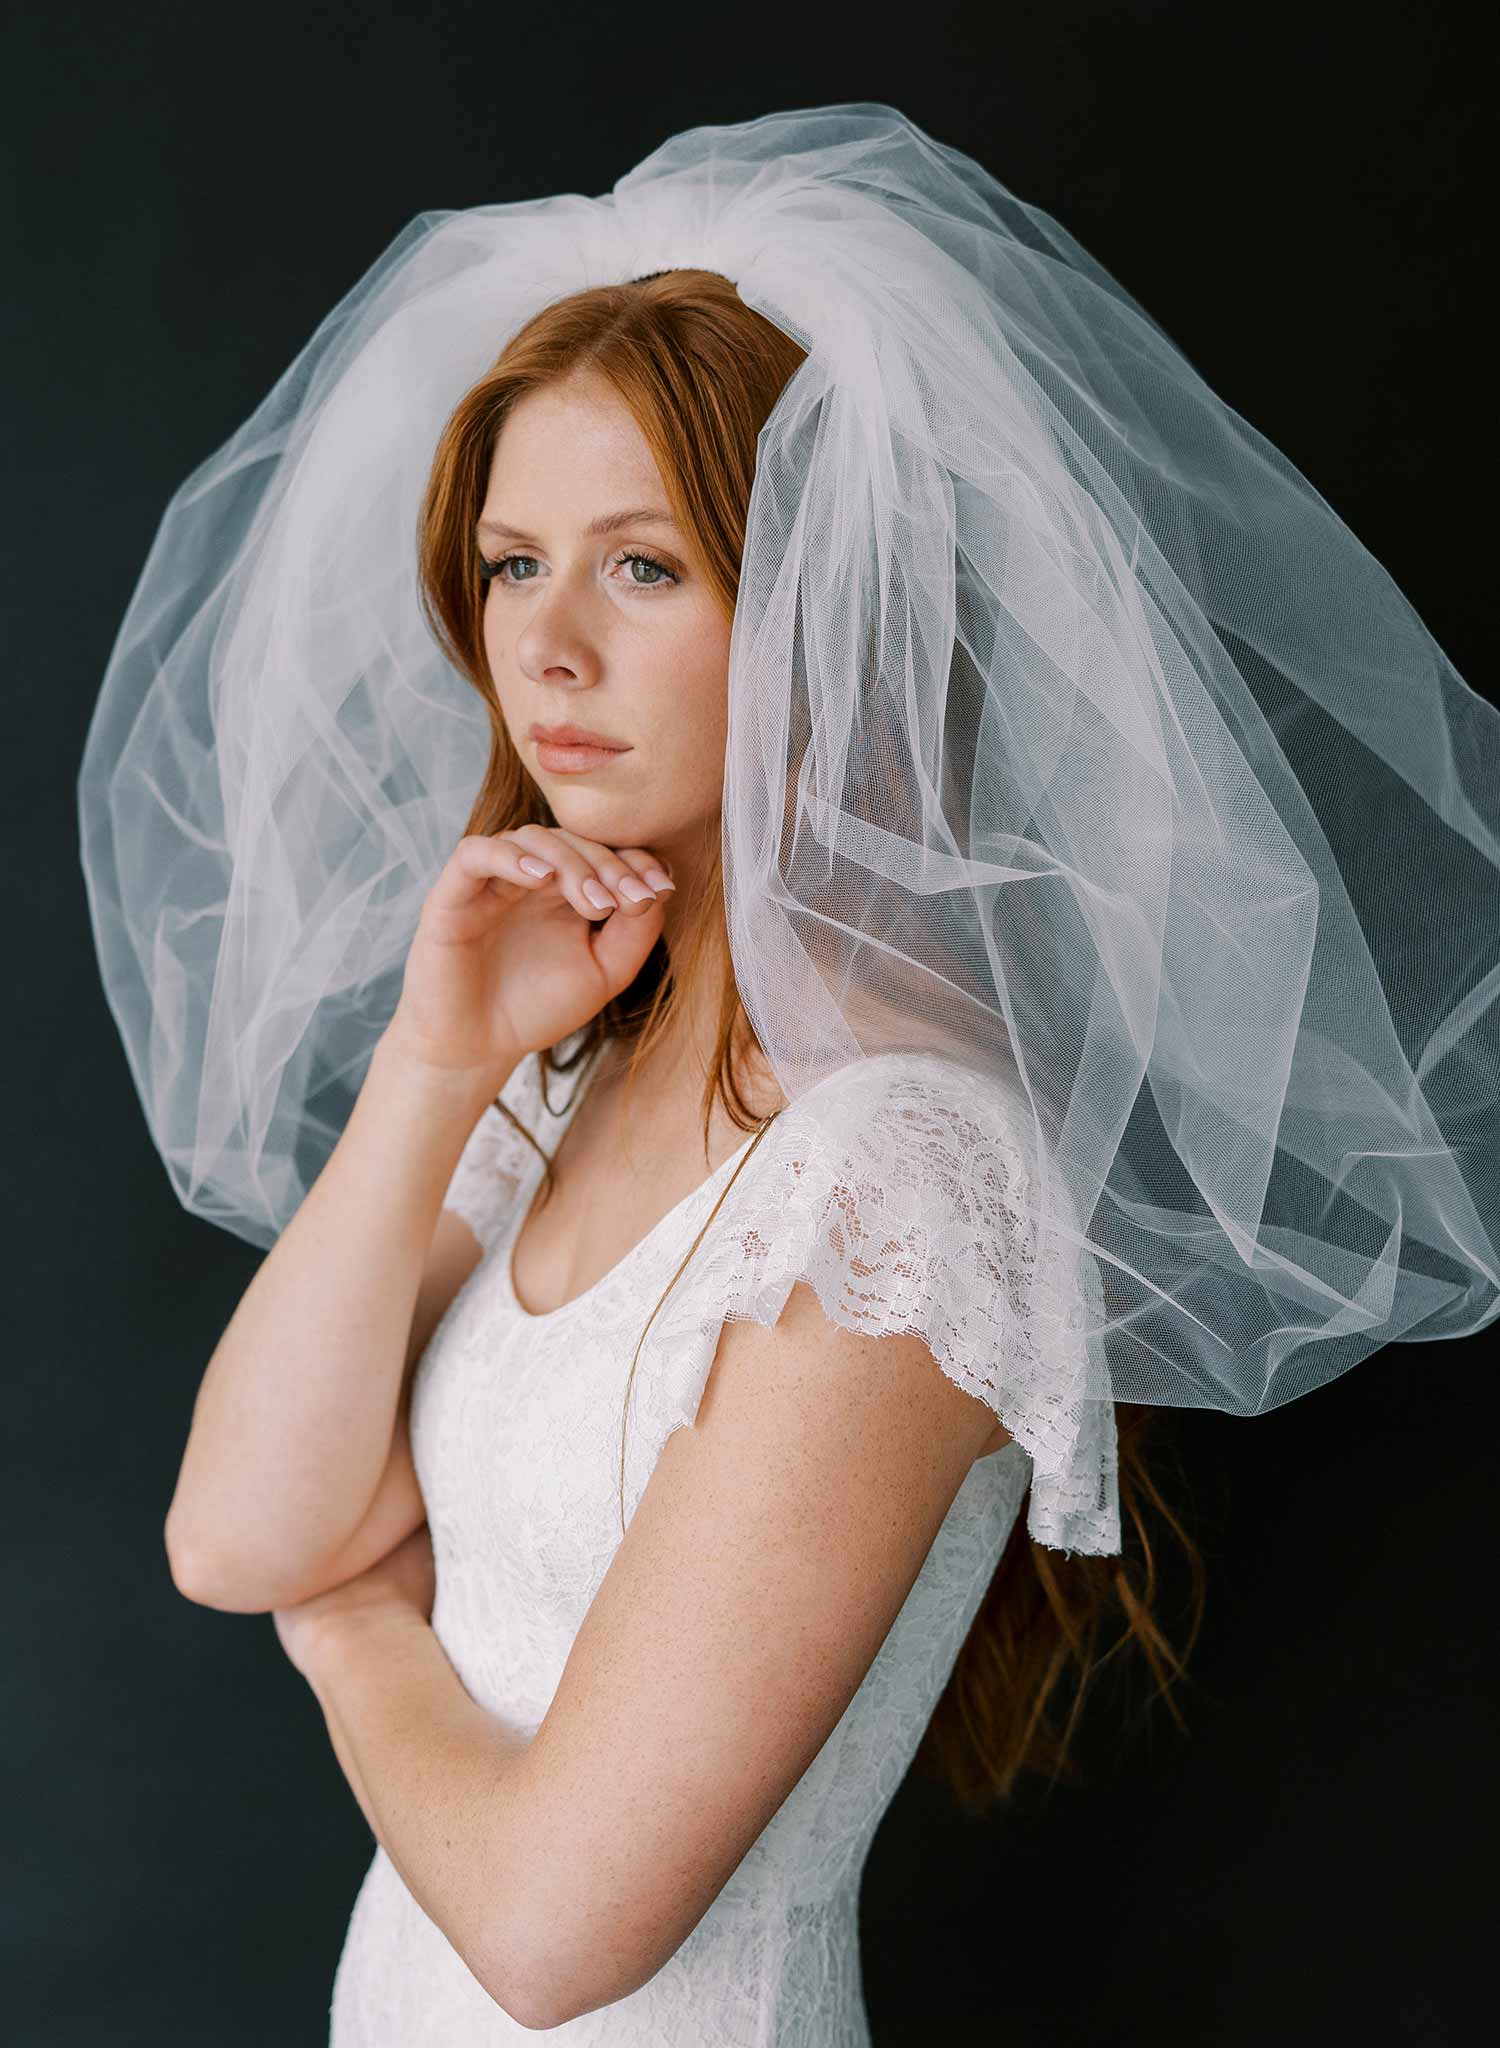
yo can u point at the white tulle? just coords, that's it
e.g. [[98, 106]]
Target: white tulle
[[1073, 738], [516, 1425]]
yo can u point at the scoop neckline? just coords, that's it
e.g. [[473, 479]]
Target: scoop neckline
[[522, 1208]]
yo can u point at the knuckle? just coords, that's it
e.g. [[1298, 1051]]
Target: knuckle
[[549, 845]]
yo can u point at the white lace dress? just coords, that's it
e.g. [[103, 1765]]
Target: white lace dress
[[890, 1188]]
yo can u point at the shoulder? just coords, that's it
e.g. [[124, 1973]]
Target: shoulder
[[885, 1203], [893, 1101], [898, 1186], [902, 1199], [902, 1071], [901, 1196]]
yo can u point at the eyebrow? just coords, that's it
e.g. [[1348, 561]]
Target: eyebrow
[[607, 522]]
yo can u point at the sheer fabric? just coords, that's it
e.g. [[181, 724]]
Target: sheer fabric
[[1072, 737]]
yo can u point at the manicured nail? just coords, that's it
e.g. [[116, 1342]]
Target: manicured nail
[[636, 890], [532, 865], [659, 879], [598, 895]]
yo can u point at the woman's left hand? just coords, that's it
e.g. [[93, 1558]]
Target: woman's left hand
[[404, 1580]]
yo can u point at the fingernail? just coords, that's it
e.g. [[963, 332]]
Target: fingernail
[[533, 866], [636, 890], [659, 879], [598, 895]]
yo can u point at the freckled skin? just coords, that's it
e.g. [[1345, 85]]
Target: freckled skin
[[573, 633]]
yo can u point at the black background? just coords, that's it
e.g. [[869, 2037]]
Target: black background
[[1300, 198]]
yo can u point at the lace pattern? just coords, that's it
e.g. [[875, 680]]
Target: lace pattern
[[900, 1191], [496, 1162]]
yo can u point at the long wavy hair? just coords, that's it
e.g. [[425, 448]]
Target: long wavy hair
[[700, 372]]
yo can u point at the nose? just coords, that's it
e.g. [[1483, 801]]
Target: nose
[[554, 645]]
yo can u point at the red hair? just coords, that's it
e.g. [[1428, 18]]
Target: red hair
[[700, 372]]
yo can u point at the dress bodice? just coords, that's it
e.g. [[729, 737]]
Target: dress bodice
[[516, 1425]]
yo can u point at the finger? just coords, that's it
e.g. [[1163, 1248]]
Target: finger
[[478, 860], [651, 868], [621, 945], [618, 867], [575, 875]]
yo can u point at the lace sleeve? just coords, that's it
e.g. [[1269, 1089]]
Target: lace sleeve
[[899, 1190], [487, 1180]]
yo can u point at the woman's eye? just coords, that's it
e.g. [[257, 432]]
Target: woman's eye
[[650, 561], [494, 571]]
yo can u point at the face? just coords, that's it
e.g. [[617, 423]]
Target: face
[[577, 633]]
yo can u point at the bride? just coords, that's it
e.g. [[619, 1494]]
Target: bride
[[562, 1838], [737, 827]]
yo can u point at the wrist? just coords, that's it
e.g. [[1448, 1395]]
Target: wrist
[[402, 1061], [349, 1630]]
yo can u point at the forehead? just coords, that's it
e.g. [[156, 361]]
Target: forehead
[[567, 441]]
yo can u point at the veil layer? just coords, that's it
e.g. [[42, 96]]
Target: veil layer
[[1072, 736]]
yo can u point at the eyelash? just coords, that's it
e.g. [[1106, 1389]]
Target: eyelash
[[490, 570]]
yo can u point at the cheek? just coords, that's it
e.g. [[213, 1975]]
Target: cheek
[[496, 651], [702, 670], [698, 705]]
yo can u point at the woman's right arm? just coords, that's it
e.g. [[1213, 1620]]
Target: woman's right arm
[[298, 1458], [297, 1461]]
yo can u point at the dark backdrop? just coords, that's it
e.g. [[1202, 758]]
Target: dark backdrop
[[1300, 202]]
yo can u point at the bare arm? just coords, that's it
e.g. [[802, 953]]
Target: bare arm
[[441, 1781], [297, 1462], [770, 1554], [298, 1429]]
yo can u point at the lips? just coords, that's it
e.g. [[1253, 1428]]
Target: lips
[[575, 736]]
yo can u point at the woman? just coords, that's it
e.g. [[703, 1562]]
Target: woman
[[617, 1816], [638, 1477]]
